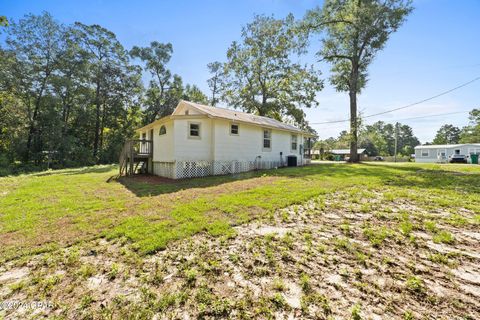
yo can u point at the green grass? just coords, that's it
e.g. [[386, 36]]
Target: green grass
[[415, 285], [44, 211], [443, 237]]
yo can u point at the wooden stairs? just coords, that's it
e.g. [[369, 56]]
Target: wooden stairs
[[135, 157]]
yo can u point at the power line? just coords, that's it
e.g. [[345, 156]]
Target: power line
[[421, 117], [406, 106], [434, 115]]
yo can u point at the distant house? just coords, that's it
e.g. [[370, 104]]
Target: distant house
[[441, 152], [344, 154], [198, 140]]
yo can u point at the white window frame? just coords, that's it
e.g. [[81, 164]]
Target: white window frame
[[293, 140], [238, 129], [422, 153], [269, 138], [190, 136]]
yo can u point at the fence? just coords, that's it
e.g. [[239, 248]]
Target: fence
[[392, 159], [203, 168]]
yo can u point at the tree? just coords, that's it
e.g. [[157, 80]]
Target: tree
[[260, 76], [383, 137], [108, 68], [156, 57], [447, 134], [406, 140], [379, 139], [70, 94], [38, 43], [343, 140], [194, 94], [354, 31], [3, 22], [471, 133], [216, 81]]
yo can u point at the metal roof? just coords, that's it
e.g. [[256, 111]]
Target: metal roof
[[345, 151], [446, 146]]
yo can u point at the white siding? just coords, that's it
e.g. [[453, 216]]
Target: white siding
[[434, 153], [182, 108], [248, 144], [178, 155], [163, 146], [190, 148]]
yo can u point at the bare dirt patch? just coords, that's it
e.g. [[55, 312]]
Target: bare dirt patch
[[322, 259]]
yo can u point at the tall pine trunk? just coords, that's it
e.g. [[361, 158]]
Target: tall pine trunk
[[353, 114], [353, 127], [97, 122], [32, 130]]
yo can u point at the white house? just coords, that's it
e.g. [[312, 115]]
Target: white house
[[198, 140], [441, 153]]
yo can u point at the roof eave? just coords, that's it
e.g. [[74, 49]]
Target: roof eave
[[154, 123]]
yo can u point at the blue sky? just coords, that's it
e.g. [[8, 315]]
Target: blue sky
[[436, 49]]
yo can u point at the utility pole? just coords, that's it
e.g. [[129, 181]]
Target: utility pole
[[396, 140]]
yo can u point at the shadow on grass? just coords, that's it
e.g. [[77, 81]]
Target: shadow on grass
[[76, 171], [411, 175], [150, 185], [462, 179]]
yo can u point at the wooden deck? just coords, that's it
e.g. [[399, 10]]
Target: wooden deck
[[135, 156]]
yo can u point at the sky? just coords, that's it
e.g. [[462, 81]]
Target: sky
[[438, 48]]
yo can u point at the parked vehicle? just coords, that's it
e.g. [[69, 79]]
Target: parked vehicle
[[378, 158], [458, 158]]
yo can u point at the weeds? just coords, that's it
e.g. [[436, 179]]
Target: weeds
[[376, 235], [415, 285], [191, 276], [278, 285], [112, 274], [305, 283], [443, 236], [356, 312]]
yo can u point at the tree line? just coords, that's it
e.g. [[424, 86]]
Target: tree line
[[449, 134], [378, 139], [74, 93]]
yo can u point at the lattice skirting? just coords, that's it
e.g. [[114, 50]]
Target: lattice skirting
[[191, 169]]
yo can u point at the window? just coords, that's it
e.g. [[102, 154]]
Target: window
[[425, 153], [457, 151], [194, 130], [294, 142], [144, 136], [163, 130], [267, 139], [186, 112], [234, 129]]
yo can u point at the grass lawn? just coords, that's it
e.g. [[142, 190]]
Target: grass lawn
[[51, 222]]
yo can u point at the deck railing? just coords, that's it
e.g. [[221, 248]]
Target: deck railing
[[132, 151], [142, 147]]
